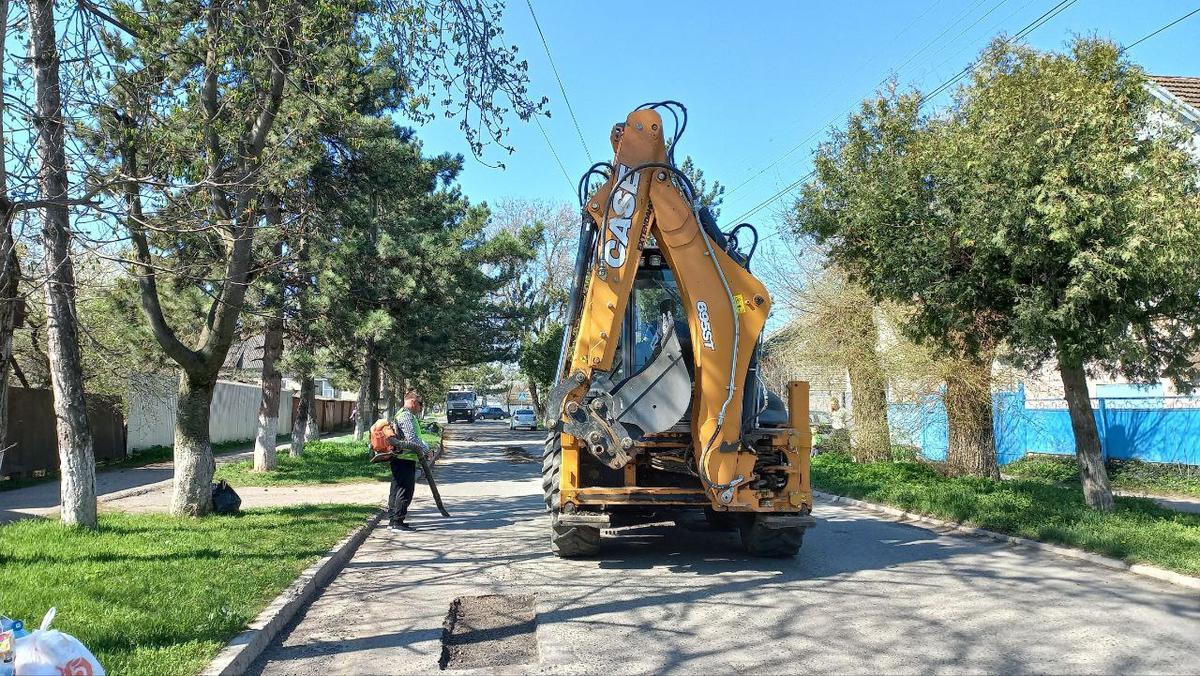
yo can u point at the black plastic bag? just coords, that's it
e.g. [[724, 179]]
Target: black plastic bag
[[225, 499]]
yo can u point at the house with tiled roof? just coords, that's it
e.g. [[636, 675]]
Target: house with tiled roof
[[1179, 90], [1180, 97]]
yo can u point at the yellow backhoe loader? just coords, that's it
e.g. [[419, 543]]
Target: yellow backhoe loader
[[658, 408]]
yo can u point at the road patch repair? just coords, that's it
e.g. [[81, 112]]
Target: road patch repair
[[517, 454], [494, 630]]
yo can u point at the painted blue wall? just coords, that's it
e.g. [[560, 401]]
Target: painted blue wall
[[1154, 429]]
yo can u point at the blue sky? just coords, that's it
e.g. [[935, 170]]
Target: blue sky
[[761, 78]]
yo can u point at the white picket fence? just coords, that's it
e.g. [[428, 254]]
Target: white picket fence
[[233, 415]]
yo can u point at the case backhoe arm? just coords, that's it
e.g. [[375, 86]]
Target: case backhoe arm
[[726, 310]]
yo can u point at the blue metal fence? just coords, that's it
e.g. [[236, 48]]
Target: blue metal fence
[[1152, 428]]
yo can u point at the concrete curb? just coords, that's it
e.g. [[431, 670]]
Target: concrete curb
[[952, 528], [237, 655]]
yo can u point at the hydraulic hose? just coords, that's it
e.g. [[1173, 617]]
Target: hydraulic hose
[[573, 307]]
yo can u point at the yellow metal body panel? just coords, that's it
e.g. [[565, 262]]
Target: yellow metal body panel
[[569, 480], [800, 441]]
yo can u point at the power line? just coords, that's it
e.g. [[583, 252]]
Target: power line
[[1041, 20], [1029, 28], [561, 87], [1020, 35], [554, 153], [939, 36], [774, 197], [994, 30], [920, 50], [1150, 35]]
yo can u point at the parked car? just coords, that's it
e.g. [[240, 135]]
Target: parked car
[[491, 413], [523, 417]]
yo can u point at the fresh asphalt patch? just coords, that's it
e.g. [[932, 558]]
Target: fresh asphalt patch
[[494, 630], [516, 454]]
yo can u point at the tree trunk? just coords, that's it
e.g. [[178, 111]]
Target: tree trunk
[[300, 422], [314, 421], [388, 398], [10, 275], [268, 410], [76, 455], [1092, 474], [363, 418], [373, 397], [869, 433], [235, 214], [870, 441], [194, 464], [536, 399], [968, 400], [10, 266]]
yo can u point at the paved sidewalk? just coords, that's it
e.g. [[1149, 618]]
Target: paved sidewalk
[[364, 493], [1178, 503]]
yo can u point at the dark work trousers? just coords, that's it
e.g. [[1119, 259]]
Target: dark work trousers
[[404, 479]]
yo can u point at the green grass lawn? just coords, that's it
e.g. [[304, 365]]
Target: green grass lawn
[[330, 461], [146, 456], [153, 594], [1139, 531], [1128, 475]]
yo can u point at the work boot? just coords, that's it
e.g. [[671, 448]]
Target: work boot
[[400, 527]]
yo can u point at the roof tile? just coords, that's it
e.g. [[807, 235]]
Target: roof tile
[[1186, 89]]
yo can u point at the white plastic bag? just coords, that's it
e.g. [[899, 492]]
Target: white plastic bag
[[49, 652]]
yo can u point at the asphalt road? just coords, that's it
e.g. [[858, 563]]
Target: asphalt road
[[864, 596]]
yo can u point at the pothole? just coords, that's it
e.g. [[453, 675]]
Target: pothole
[[518, 454], [489, 631]]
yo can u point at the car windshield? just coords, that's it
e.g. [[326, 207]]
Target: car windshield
[[460, 396], [524, 411]]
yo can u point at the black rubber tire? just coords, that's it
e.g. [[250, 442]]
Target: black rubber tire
[[551, 467], [569, 542], [565, 541], [775, 543]]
